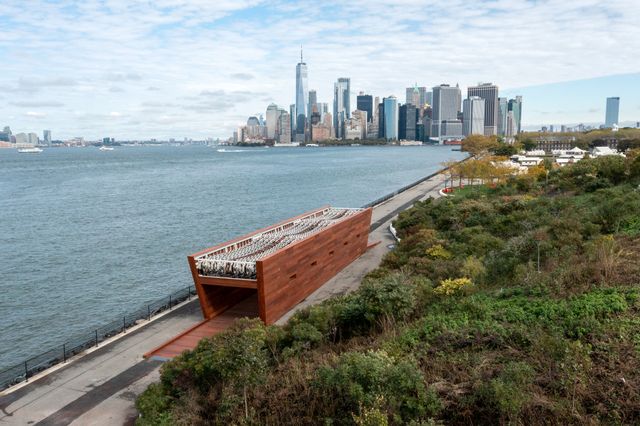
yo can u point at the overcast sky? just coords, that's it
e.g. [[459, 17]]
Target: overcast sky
[[175, 68]]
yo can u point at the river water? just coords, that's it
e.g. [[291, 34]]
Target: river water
[[86, 236]]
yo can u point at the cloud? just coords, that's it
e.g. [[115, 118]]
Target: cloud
[[242, 76], [118, 77], [37, 104], [35, 114], [217, 62]]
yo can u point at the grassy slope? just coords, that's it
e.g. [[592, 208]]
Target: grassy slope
[[456, 326]]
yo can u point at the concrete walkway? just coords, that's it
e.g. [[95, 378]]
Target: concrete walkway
[[100, 388]]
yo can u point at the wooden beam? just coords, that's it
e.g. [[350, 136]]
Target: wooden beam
[[228, 282]]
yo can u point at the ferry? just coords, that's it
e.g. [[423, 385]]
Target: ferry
[[312, 145], [34, 150], [105, 148]]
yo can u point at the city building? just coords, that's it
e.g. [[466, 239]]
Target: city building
[[302, 92], [365, 103], [33, 139], [503, 106], [612, 113], [451, 130], [372, 130], [292, 113], [376, 106], [390, 118], [362, 117], [428, 98], [381, 120], [473, 116], [22, 138], [5, 134], [313, 103], [407, 117], [417, 95], [515, 107], [445, 108], [488, 92], [255, 129], [323, 130], [46, 136], [284, 127], [353, 129], [272, 120], [341, 105]]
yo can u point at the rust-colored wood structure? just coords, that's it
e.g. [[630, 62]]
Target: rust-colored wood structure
[[271, 270]]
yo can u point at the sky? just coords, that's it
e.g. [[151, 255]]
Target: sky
[[162, 69]]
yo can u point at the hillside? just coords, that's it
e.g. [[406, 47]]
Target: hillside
[[513, 304]]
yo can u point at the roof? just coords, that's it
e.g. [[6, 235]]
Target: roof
[[238, 258]]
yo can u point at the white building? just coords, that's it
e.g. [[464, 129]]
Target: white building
[[473, 116], [603, 151]]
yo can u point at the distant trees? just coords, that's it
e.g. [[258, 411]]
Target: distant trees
[[478, 145]]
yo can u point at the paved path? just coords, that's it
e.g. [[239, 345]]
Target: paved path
[[100, 388]]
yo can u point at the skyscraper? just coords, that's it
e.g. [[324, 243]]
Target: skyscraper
[[341, 105], [445, 108], [272, 120], [515, 107], [381, 119], [473, 121], [417, 95], [488, 92], [284, 127], [46, 135], [313, 102], [292, 118], [612, 113], [365, 103], [390, 118], [502, 116], [302, 92], [407, 122]]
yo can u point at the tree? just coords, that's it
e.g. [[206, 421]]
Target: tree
[[478, 145], [529, 144], [505, 150]]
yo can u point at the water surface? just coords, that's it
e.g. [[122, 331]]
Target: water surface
[[86, 236]]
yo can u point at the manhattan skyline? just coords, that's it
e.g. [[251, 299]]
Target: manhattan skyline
[[174, 69]]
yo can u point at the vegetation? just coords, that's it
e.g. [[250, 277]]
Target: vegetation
[[628, 138], [518, 304]]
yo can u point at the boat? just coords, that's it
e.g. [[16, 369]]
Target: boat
[[105, 148], [312, 145], [34, 150]]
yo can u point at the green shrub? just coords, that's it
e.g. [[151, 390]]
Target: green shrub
[[153, 405], [365, 379], [508, 393]]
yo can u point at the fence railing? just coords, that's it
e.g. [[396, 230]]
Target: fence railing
[[91, 338]]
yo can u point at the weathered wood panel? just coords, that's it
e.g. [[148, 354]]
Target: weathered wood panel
[[289, 275]]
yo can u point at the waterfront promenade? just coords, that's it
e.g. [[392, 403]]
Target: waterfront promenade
[[100, 388]]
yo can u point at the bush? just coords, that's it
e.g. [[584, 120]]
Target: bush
[[508, 393], [153, 405], [372, 379], [453, 286]]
